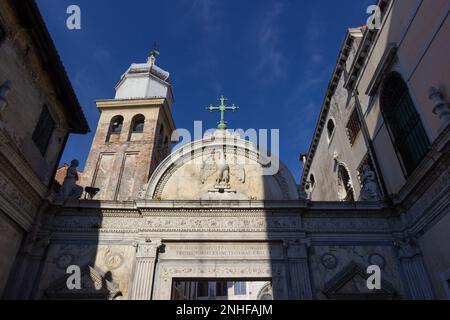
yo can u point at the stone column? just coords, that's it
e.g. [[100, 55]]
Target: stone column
[[299, 284], [417, 280], [144, 269]]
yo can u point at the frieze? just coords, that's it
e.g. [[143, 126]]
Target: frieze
[[196, 224], [243, 270], [238, 270], [95, 223], [217, 220], [347, 224], [218, 212], [176, 223]]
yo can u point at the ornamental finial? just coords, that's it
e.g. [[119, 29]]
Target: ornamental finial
[[153, 55]]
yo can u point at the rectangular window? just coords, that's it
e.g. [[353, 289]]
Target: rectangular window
[[202, 289], [221, 289], [353, 127], [240, 288], [44, 130]]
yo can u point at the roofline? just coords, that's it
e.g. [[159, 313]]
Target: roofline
[[31, 19], [366, 32], [332, 85]]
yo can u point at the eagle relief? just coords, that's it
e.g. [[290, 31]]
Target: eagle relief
[[216, 164]]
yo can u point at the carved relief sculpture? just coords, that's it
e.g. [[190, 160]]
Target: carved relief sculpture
[[370, 190], [222, 169]]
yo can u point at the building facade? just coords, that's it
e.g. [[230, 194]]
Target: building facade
[[38, 111], [204, 221], [208, 224], [386, 110]]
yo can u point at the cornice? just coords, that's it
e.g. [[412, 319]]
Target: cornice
[[121, 103]]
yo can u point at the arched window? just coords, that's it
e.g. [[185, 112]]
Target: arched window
[[330, 128], [345, 189], [138, 124], [116, 125], [405, 126]]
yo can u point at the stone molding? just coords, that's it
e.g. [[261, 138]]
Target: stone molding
[[258, 270]]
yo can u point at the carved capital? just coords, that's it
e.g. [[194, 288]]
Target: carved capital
[[407, 248], [297, 249], [148, 249]]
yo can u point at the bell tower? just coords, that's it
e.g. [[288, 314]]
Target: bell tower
[[133, 132]]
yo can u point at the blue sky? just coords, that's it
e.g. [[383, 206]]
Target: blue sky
[[271, 58]]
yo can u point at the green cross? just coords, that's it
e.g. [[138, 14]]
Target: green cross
[[222, 108]]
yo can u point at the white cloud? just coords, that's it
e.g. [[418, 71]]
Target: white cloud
[[272, 61]]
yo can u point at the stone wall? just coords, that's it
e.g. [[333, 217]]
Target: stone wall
[[120, 165], [31, 90], [25, 173], [10, 240]]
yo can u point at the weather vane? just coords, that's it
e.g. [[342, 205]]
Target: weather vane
[[153, 54], [222, 108]]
